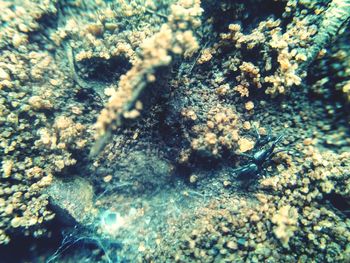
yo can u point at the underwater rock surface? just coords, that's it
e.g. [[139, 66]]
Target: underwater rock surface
[[72, 201], [174, 131]]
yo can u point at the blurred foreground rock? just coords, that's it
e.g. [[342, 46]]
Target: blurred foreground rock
[[72, 201]]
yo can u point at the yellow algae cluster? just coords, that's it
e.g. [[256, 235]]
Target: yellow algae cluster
[[35, 136], [286, 221], [220, 131], [268, 38], [94, 36]]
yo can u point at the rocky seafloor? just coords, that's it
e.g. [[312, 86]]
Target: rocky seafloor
[[174, 131]]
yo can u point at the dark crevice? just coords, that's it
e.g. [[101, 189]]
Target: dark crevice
[[339, 202], [41, 37], [102, 70], [227, 11]]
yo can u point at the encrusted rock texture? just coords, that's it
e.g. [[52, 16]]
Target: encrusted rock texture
[[150, 110]]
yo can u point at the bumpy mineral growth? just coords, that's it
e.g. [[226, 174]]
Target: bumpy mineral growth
[[130, 121], [174, 37]]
